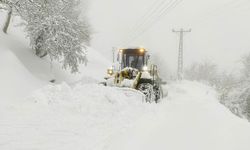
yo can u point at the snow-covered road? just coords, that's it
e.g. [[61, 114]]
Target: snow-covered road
[[190, 119], [93, 117]]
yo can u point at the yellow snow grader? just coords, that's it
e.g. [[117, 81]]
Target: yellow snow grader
[[134, 70]]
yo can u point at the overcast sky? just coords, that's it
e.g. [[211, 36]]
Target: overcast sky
[[220, 29]]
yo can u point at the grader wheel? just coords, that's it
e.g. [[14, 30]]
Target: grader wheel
[[148, 90]]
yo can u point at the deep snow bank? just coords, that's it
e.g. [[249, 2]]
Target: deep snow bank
[[191, 119], [59, 117]]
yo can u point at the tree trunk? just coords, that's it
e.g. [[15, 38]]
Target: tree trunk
[[40, 53], [7, 21]]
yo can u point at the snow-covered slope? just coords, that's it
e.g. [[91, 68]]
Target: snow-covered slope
[[16, 81], [22, 72], [43, 69], [191, 119], [46, 70]]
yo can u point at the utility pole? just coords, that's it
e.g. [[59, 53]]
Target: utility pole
[[113, 52], [180, 55], [113, 55]]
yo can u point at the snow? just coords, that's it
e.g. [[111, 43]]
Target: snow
[[16, 81], [146, 75], [60, 117], [191, 119], [46, 70], [77, 113], [17, 42], [23, 72], [94, 117], [127, 83]]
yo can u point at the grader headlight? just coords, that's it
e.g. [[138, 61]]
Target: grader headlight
[[142, 50], [110, 72], [145, 68]]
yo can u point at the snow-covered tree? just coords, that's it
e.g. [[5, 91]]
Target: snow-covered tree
[[160, 61], [235, 94], [205, 71], [246, 69], [55, 29], [246, 80], [248, 107]]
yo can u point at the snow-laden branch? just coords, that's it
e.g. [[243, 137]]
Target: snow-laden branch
[[54, 29]]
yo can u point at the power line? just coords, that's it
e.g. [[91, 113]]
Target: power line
[[149, 12], [162, 13], [151, 22], [148, 20], [147, 17]]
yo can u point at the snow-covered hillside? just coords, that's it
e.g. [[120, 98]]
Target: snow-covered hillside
[[46, 70], [22, 72], [16, 80]]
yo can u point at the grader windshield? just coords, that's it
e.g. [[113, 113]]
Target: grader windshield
[[134, 58]]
